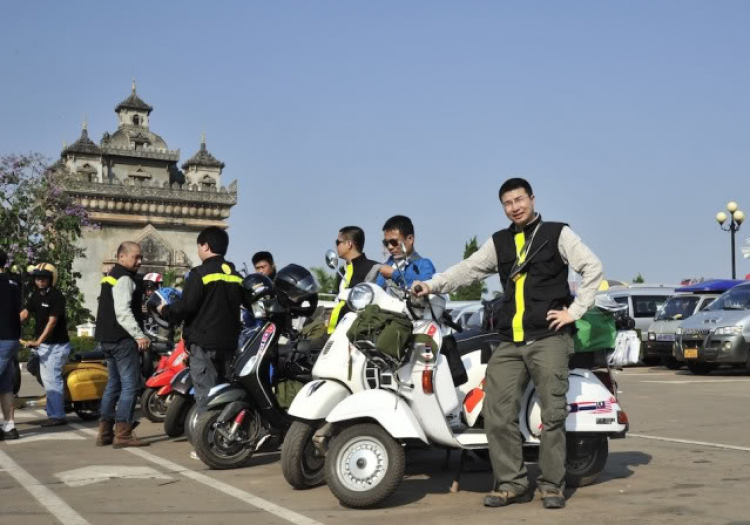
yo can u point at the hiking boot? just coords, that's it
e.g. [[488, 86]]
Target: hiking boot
[[52, 422], [125, 437], [553, 499], [106, 433], [502, 498]]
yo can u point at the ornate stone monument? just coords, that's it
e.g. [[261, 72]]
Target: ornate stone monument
[[131, 184]]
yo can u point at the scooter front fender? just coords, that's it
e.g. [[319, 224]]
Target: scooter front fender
[[160, 379], [317, 399], [231, 410], [390, 411], [182, 383], [225, 396]]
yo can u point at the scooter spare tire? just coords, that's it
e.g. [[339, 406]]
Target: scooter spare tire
[[364, 466], [586, 458], [153, 407], [301, 464], [174, 419], [213, 447], [87, 410]]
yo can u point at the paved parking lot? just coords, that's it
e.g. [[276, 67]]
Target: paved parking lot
[[687, 460]]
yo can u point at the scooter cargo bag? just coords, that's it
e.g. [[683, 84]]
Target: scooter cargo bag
[[86, 383], [594, 331], [286, 392], [389, 332]]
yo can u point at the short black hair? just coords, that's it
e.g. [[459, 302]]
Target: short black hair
[[3, 259], [262, 256], [354, 234], [216, 238], [515, 184], [402, 223]]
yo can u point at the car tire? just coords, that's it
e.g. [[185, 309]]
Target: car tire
[[699, 368]]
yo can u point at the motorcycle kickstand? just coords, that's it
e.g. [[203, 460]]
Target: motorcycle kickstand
[[455, 485]]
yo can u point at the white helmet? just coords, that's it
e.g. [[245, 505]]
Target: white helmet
[[154, 278]]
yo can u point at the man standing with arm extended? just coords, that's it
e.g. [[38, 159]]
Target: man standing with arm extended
[[10, 332], [210, 309], [350, 245], [398, 234], [119, 329], [535, 322], [47, 305]]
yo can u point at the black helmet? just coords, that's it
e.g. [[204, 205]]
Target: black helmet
[[257, 285], [296, 285]]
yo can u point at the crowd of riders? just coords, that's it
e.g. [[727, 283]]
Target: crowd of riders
[[532, 258]]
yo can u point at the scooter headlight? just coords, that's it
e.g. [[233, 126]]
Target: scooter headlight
[[360, 297]]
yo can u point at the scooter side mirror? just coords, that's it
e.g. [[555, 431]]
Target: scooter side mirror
[[332, 261]]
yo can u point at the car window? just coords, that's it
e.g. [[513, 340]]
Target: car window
[[647, 305], [738, 298], [621, 300], [677, 308], [707, 303]]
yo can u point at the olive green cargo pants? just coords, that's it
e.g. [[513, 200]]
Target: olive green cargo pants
[[508, 373]]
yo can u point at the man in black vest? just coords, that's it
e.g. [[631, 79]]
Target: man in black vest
[[535, 321], [119, 329]]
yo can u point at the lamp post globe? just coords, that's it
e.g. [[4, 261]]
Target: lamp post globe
[[732, 207], [739, 216], [721, 217]]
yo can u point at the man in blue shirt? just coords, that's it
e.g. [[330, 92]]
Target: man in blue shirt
[[398, 233]]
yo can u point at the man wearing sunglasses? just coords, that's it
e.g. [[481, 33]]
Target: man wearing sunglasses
[[535, 324], [398, 239], [350, 244]]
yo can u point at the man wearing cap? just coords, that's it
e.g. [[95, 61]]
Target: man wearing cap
[[47, 306]]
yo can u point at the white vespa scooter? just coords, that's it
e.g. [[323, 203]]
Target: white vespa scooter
[[418, 402], [341, 369]]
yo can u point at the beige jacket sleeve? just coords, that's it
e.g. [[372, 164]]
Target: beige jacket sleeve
[[122, 293], [480, 265], [583, 261]]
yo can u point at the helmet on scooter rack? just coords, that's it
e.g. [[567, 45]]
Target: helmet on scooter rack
[[256, 286], [297, 290], [165, 296]]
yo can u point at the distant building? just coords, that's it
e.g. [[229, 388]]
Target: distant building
[[131, 184]]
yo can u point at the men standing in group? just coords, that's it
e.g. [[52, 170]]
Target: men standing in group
[[535, 321], [119, 329], [210, 308], [263, 263], [47, 305], [10, 333], [398, 238], [350, 245]]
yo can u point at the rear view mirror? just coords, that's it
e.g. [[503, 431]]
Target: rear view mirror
[[332, 260]]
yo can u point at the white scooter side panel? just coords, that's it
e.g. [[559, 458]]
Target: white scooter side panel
[[392, 413], [317, 399], [333, 361]]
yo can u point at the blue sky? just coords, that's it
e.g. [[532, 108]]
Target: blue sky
[[630, 119]]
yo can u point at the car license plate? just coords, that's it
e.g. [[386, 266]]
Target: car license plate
[[665, 337], [691, 353]]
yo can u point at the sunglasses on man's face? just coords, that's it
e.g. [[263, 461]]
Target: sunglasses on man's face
[[339, 242], [393, 243]]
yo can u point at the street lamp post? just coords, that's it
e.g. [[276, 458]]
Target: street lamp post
[[736, 218]]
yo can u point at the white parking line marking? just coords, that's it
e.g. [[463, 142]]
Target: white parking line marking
[[688, 442], [56, 506], [693, 381], [225, 488]]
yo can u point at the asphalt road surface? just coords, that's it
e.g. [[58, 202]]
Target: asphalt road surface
[[686, 460]]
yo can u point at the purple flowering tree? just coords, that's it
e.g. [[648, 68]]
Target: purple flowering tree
[[40, 222]]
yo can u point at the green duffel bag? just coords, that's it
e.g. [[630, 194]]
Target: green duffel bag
[[594, 331], [286, 390], [389, 332]]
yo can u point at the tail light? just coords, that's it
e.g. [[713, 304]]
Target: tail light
[[622, 418], [427, 386]]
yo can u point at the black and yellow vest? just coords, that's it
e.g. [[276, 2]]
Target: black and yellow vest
[[540, 287], [108, 330]]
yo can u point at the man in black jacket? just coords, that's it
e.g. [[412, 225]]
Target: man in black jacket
[[10, 332], [350, 245], [210, 309]]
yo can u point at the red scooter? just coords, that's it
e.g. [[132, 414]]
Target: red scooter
[[156, 397]]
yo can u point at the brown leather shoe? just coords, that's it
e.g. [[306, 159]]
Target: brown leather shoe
[[106, 433], [125, 437]]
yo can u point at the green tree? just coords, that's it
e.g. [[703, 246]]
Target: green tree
[[639, 279], [326, 279], [40, 222], [472, 292]]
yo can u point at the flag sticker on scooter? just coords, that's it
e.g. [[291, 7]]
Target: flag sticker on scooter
[[267, 335], [596, 407]]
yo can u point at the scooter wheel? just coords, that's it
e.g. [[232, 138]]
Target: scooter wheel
[[174, 419], [214, 449], [364, 466], [301, 464], [586, 458], [153, 407], [191, 420]]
